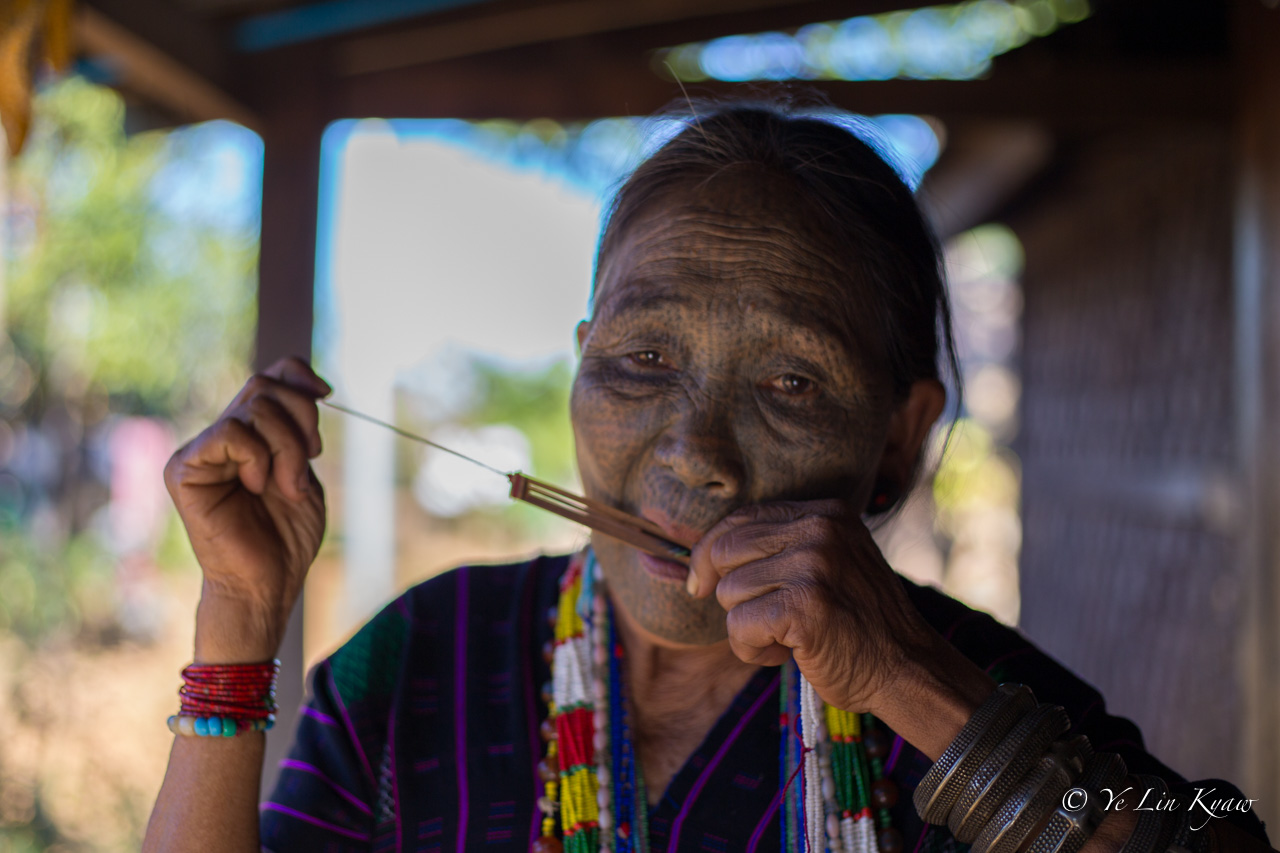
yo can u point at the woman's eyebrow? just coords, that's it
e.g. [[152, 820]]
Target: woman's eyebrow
[[642, 300]]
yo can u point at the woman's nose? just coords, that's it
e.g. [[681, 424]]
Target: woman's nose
[[702, 450]]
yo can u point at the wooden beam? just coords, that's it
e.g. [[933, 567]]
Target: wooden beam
[[153, 74], [491, 29], [1257, 392], [606, 76], [174, 31], [983, 166], [286, 293]]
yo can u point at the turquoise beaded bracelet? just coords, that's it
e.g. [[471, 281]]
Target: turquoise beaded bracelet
[[189, 726]]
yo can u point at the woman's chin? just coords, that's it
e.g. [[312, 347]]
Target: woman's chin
[[651, 593]]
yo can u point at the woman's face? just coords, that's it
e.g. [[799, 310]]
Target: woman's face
[[720, 369]]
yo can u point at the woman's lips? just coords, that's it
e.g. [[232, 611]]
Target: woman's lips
[[664, 570]]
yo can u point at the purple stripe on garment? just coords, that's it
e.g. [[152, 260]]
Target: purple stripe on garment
[[319, 716], [893, 754], [715, 762], [920, 842], [460, 706], [351, 728], [314, 821], [530, 704], [294, 764], [395, 777], [764, 821]]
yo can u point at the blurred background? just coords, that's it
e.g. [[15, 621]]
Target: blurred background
[[410, 193]]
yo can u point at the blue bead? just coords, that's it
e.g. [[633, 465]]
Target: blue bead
[[228, 727], [202, 726]]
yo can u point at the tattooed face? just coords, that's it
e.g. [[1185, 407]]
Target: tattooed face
[[724, 365]]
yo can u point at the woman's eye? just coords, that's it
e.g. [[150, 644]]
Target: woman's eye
[[648, 358], [794, 385]]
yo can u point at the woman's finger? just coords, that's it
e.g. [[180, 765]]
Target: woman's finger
[[762, 577], [300, 405], [762, 630], [295, 372], [227, 450], [703, 573], [753, 533], [288, 445]]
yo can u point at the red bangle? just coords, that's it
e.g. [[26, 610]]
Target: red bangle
[[243, 692]]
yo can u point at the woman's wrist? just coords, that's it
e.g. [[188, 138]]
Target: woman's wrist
[[236, 629], [932, 696]]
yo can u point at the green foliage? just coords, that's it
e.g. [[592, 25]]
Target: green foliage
[[107, 290], [537, 403]]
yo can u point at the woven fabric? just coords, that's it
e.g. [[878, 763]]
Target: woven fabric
[[421, 734]]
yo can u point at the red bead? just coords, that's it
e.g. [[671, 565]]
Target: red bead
[[548, 729], [624, 830], [884, 794], [546, 844], [549, 769], [889, 840], [876, 743]]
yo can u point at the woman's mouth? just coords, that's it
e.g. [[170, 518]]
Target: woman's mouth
[[664, 570]]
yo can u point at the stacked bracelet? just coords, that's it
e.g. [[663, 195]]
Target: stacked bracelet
[[224, 700], [1007, 783]]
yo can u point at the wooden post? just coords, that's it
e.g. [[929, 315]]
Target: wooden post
[[1257, 304], [286, 289]]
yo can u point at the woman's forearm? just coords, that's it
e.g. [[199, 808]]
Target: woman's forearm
[[209, 799]]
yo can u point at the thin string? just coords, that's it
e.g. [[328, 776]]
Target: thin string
[[406, 434]]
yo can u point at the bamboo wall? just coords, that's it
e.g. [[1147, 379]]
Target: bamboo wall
[[1129, 565]]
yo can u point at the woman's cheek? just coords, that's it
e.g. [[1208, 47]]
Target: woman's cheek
[[611, 431]]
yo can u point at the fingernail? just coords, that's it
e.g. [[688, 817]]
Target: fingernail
[[691, 583]]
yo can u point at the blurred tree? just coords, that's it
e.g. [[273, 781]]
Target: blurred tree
[[128, 291]]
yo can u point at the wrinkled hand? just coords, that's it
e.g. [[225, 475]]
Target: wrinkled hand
[[805, 579], [253, 509]]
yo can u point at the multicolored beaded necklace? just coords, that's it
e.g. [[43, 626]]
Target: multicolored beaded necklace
[[831, 764]]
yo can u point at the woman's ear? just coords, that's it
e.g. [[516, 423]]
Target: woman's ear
[[909, 426]]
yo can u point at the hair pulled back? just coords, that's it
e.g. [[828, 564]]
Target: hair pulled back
[[894, 261]]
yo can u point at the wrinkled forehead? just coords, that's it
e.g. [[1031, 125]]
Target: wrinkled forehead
[[741, 232]]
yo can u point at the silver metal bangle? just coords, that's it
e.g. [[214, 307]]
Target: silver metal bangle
[[941, 786], [1155, 829], [1081, 810], [1004, 768], [1038, 795]]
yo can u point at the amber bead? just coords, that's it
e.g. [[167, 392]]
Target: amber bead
[[549, 769], [876, 743], [548, 729], [884, 794], [546, 844], [553, 615], [548, 692], [549, 651], [890, 840]]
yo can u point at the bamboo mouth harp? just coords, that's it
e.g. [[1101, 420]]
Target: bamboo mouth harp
[[633, 530]]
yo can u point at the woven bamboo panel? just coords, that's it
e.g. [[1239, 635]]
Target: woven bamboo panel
[[1128, 567]]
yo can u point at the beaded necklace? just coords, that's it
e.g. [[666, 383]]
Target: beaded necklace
[[831, 770]]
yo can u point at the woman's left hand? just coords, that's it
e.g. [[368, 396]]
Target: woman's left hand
[[805, 579]]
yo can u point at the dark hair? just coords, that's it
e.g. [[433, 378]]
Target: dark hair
[[865, 205]]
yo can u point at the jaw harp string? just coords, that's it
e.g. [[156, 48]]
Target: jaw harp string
[[633, 530]]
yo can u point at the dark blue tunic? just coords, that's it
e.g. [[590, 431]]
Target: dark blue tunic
[[421, 733]]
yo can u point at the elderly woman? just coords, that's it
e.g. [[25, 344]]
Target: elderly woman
[[758, 375]]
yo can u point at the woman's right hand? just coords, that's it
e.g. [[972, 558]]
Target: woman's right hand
[[254, 511]]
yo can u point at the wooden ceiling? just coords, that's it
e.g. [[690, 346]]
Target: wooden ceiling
[[1133, 60]]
